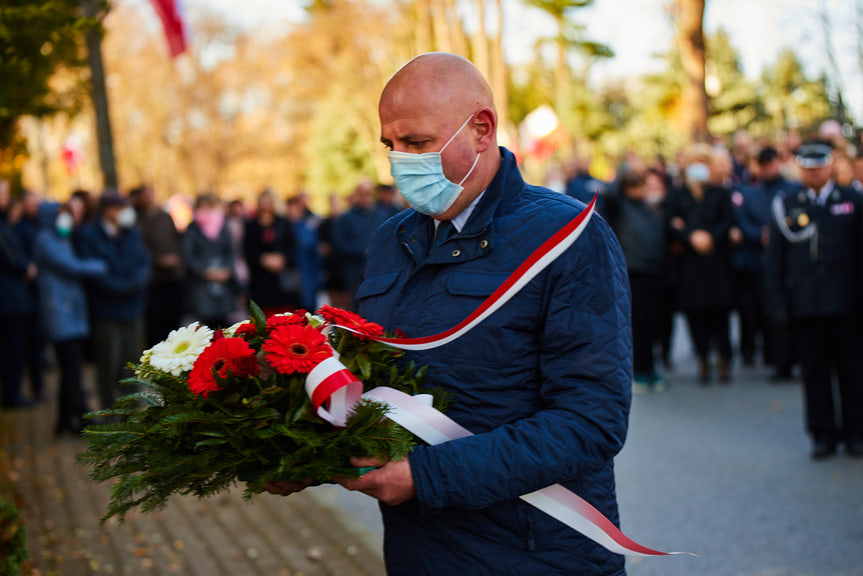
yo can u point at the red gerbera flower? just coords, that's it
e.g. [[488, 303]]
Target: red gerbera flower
[[366, 330], [221, 356], [298, 317], [245, 330], [294, 348]]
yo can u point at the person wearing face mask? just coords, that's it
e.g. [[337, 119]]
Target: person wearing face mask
[[544, 383], [64, 311], [639, 224], [208, 251], [118, 298], [700, 216], [814, 276]]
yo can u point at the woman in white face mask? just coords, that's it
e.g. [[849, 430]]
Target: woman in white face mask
[[64, 311], [700, 216]]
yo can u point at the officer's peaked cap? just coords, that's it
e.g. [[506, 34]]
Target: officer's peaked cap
[[814, 155]]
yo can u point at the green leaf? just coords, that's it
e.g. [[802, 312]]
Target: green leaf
[[258, 317], [364, 366]]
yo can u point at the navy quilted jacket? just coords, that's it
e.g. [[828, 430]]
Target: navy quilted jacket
[[544, 383]]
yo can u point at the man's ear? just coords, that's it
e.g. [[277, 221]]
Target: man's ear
[[484, 128]]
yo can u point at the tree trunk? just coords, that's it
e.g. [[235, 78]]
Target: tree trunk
[[422, 9], [479, 41], [440, 26], [498, 78], [561, 70], [690, 40], [458, 37], [99, 95]]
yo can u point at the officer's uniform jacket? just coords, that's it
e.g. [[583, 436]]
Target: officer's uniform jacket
[[814, 263]]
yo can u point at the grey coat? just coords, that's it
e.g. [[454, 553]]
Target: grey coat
[[208, 300]]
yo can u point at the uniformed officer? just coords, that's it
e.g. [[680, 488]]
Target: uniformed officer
[[814, 280]]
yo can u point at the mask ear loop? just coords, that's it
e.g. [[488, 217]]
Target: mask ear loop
[[469, 118], [475, 160]]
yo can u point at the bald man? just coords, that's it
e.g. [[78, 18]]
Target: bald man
[[544, 383]]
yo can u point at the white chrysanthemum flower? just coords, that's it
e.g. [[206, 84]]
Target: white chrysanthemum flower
[[178, 352], [232, 329], [314, 320]]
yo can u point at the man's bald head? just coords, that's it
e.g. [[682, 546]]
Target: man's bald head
[[436, 97], [442, 80]]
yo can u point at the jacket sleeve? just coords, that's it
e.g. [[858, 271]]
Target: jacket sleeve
[[190, 252], [110, 282], [775, 270], [12, 256], [746, 220], [724, 217], [47, 253], [142, 269], [585, 375]]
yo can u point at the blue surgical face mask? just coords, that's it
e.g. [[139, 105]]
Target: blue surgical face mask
[[698, 172], [421, 180], [63, 224]]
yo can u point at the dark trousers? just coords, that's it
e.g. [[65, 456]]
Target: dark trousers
[[753, 320], [116, 343], [782, 344], [164, 309], [826, 345], [13, 357], [709, 327], [645, 290], [665, 321], [71, 402]]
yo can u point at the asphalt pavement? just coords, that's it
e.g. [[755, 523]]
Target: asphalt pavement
[[720, 470]]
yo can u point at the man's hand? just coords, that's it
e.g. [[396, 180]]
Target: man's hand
[[285, 488], [392, 483], [273, 262], [218, 275], [735, 235], [168, 261], [701, 241]]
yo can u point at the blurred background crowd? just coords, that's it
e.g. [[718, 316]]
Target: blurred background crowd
[[210, 104], [104, 276]]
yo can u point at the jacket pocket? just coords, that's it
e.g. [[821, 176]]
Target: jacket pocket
[[377, 285], [474, 283]]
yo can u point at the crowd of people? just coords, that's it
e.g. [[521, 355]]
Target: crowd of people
[[116, 273], [105, 277], [769, 229]]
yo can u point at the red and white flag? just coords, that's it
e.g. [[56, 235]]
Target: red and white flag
[[171, 14]]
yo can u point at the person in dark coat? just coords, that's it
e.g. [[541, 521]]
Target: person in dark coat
[[352, 234], [117, 300], [333, 260], [700, 216], [65, 314], [544, 382], [582, 186], [640, 228], [27, 228], [17, 311], [270, 247], [305, 227], [165, 291], [753, 219], [208, 252], [815, 280]]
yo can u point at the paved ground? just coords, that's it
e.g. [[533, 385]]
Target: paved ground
[[722, 471], [221, 536]]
